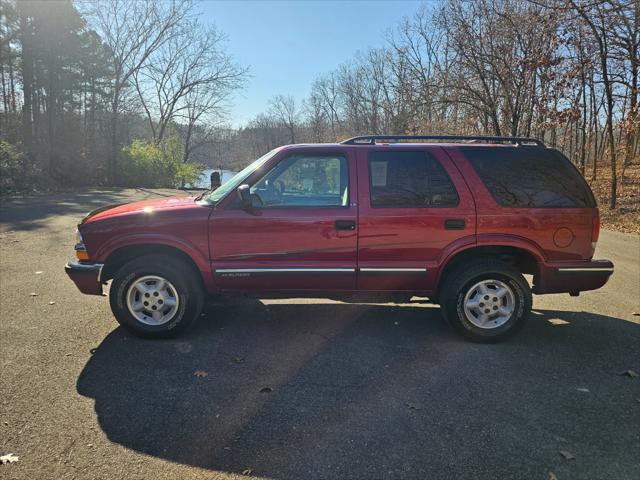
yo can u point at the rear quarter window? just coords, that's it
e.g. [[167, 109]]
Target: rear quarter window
[[530, 177]]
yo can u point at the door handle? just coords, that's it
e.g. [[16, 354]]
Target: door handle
[[345, 224], [454, 224]]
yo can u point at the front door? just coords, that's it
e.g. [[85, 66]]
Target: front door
[[301, 232], [414, 208]]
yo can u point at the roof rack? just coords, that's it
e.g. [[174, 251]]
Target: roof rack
[[373, 139]]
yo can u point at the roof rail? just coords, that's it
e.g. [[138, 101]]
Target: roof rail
[[373, 139]]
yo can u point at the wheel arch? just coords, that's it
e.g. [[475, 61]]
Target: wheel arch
[[122, 255], [525, 259]]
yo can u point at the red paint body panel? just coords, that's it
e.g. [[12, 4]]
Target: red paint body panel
[[409, 237], [177, 222], [532, 225], [286, 238], [224, 238]]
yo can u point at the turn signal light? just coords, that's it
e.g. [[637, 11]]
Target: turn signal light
[[82, 255]]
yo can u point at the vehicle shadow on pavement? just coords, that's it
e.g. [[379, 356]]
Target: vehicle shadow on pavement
[[334, 390]]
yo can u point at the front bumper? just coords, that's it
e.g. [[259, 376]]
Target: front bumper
[[574, 277], [86, 276]]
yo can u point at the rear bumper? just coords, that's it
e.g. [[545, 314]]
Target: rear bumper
[[573, 277], [86, 276]]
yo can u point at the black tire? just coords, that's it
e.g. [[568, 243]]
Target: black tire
[[464, 278], [184, 282]]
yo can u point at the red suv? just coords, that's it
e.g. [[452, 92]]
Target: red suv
[[460, 220]]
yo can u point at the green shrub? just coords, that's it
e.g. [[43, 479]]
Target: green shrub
[[10, 168], [145, 164]]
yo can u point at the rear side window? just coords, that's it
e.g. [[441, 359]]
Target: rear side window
[[409, 180], [530, 177]]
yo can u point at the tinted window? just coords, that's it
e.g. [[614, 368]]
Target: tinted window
[[529, 177], [409, 179], [304, 181]]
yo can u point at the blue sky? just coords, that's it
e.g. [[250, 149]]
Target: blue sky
[[286, 44]]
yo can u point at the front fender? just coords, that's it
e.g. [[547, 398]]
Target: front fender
[[198, 257]]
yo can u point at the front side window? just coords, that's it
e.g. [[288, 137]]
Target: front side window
[[304, 181], [219, 193], [412, 179]]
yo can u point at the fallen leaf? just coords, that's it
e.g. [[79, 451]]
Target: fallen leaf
[[52, 303], [266, 390], [184, 347], [237, 359], [557, 321], [567, 455], [413, 406], [68, 354], [33, 294], [247, 471], [8, 458], [200, 373], [629, 373], [552, 476]]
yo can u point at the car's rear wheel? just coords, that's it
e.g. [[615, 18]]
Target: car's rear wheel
[[156, 296], [486, 301]]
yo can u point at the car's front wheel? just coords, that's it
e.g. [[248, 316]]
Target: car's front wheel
[[486, 301], [156, 296]]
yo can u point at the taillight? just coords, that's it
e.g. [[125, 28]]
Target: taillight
[[595, 234]]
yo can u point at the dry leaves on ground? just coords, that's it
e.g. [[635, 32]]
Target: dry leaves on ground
[[247, 471], [630, 373], [552, 476], [8, 458], [184, 347], [567, 455], [200, 373], [413, 406], [557, 321]]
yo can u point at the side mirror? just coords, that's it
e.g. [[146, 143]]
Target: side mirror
[[244, 192]]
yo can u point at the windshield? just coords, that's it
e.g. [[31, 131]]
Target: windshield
[[235, 181]]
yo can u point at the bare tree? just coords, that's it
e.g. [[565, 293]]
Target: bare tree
[[133, 31], [283, 107], [190, 67]]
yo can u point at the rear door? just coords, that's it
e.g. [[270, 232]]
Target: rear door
[[414, 208], [301, 232]]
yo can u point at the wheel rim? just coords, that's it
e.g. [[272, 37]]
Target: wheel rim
[[152, 300], [489, 304]]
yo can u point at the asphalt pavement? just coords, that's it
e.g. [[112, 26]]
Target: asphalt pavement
[[306, 388]]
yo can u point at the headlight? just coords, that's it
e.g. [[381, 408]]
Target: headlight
[[81, 250]]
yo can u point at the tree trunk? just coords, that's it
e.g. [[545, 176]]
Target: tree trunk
[[27, 85]]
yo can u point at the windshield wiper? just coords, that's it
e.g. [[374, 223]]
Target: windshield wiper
[[201, 196]]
